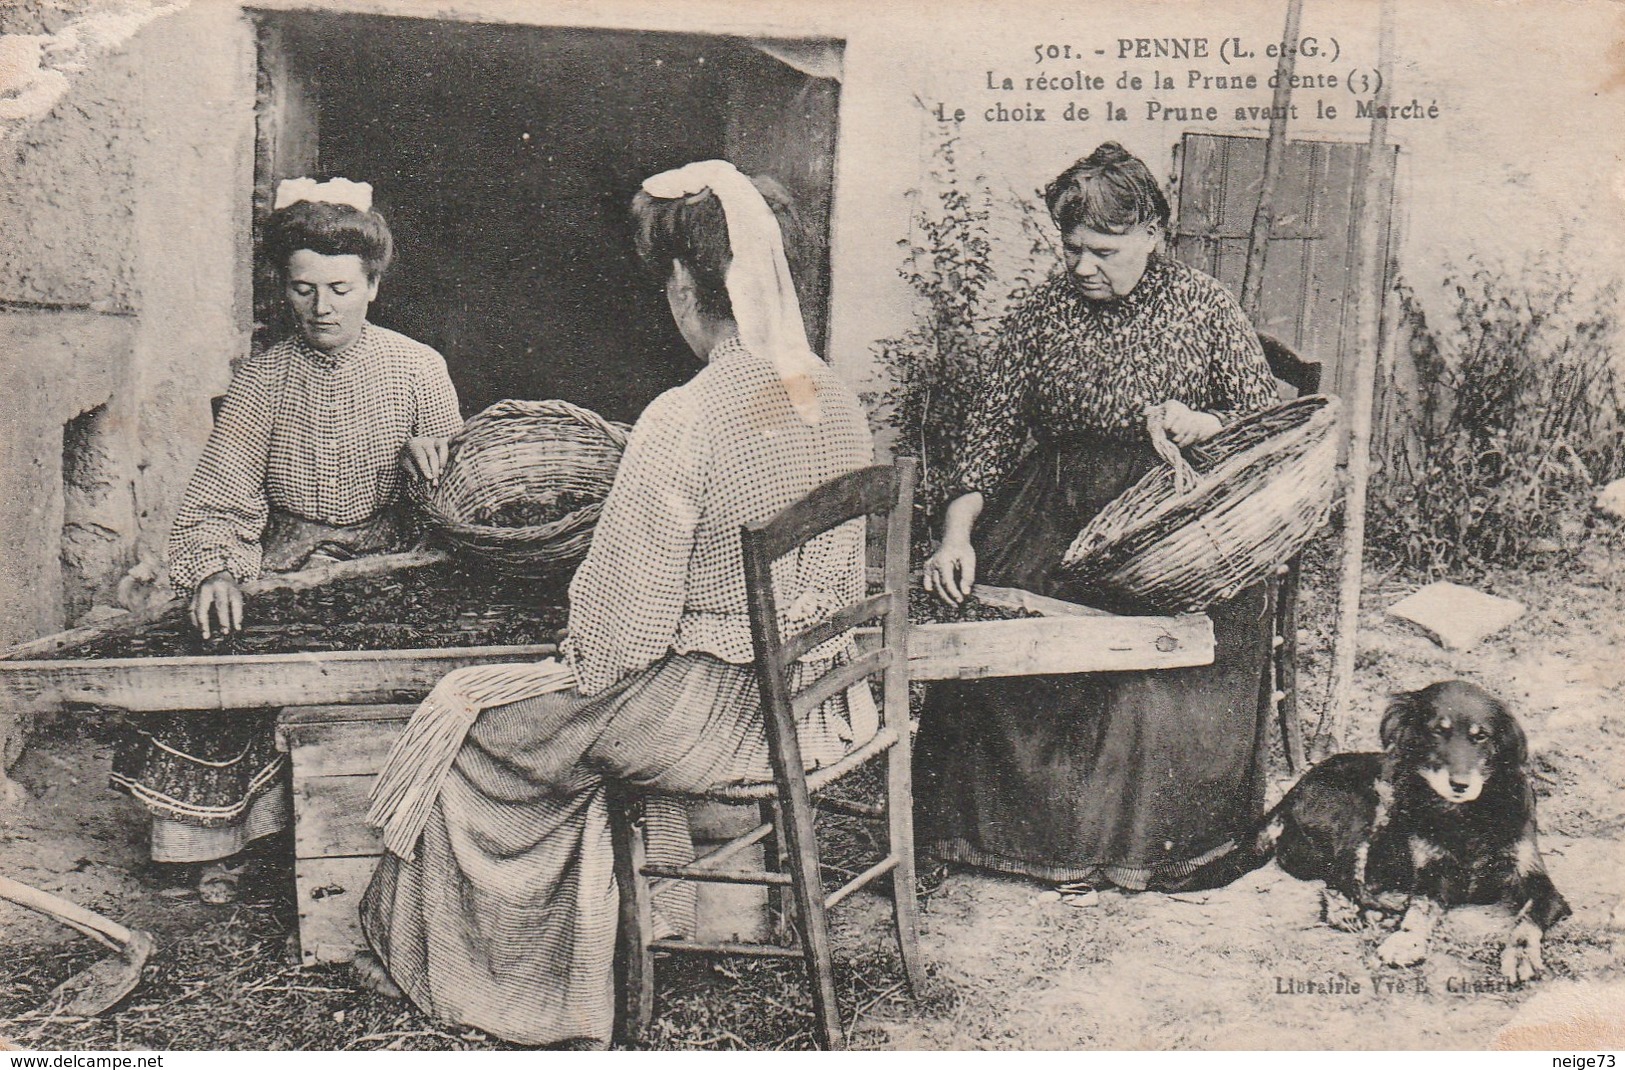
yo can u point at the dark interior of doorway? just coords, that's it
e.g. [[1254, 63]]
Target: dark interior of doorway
[[504, 158]]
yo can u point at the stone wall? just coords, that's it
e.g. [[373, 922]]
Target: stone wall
[[124, 212], [126, 203]]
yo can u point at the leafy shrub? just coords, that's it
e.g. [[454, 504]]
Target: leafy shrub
[[935, 366], [1515, 422]]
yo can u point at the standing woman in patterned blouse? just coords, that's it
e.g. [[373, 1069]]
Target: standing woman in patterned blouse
[[1122, 778], [305, 464]]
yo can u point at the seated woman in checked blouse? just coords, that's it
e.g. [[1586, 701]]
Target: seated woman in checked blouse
[[497, 907], [304, 464]]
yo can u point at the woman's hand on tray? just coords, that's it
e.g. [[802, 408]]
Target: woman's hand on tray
[[951, 571], [219, 599], [427, 455]]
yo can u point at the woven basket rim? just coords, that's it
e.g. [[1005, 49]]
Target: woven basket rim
[[1319, 415], [1166, 546], [601, 443]]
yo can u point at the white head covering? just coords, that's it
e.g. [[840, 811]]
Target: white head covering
[[357, 195], [759, 284]]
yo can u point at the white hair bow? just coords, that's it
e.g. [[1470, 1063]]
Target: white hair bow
[[759, 284], [357, 195]]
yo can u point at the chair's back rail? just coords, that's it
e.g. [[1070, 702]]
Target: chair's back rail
[[1301, 375], [860, 493], [796, 646], [839, 679], [886, 490]]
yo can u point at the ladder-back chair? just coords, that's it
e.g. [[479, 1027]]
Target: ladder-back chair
[[787, 803]]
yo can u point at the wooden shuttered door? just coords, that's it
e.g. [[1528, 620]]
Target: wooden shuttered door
[[1311, 266]]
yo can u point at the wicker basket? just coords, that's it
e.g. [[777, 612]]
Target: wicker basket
[[1196, 532], [518, 453]]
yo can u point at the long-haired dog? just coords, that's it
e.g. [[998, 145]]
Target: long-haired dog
[[1443, 816]]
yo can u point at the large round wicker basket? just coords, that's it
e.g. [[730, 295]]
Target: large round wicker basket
[[1196, 531], [520, 457]]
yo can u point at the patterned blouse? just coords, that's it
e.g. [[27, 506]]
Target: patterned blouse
[[1065, 365], [309, 433], [664, 573]]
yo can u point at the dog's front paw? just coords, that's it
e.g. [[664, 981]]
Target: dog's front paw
[[1389, 902], [1521, 959], [1407, 947]]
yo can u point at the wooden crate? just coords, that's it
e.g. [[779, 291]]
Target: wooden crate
[[336, 753]]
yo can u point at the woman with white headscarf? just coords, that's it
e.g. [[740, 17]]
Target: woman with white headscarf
[[496, 906]]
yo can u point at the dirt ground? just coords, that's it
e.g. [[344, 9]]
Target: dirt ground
[[1011, 966]]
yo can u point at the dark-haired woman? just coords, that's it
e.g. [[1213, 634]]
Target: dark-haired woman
[[1128, 779], [304, 464], [504, 917]]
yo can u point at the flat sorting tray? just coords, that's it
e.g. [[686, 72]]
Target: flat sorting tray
[[1061, 638]]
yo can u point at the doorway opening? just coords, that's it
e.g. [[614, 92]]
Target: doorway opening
[[505, 157]]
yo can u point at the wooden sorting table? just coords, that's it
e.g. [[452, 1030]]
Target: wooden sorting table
[[342, 710]]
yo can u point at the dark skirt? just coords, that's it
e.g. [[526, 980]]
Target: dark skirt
[[1128, 778], [202, 769]]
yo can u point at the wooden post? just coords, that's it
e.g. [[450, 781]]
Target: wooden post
[[1374, 196], [1252, 279]]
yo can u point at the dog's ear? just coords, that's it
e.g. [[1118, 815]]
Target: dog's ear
[[1403, 709]]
